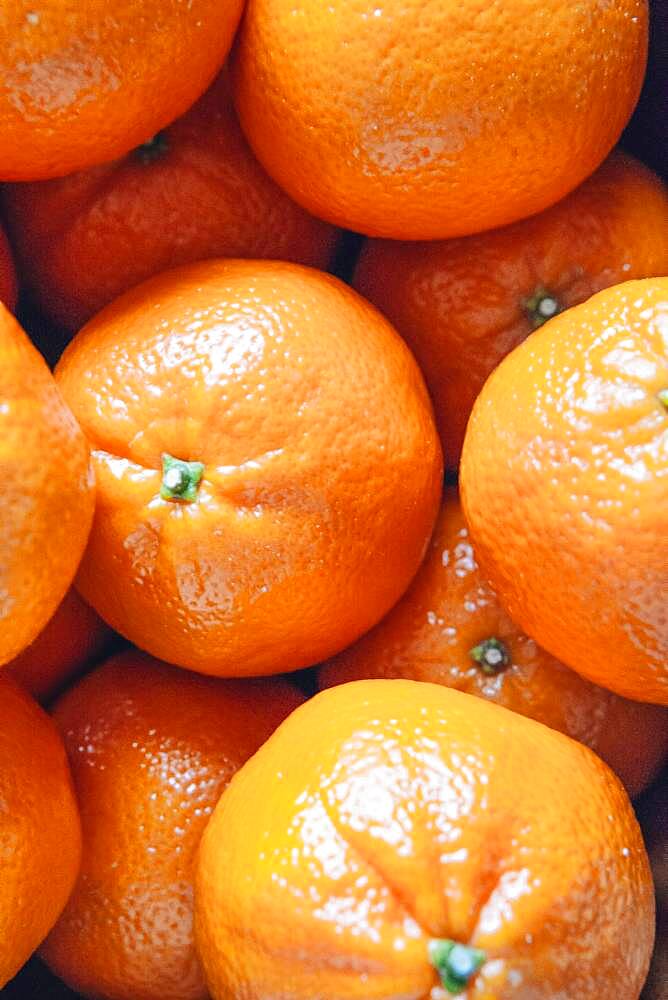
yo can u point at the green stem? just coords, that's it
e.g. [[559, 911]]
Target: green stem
[[180, 480], [541, 306], [153, 149], [491, 655], [662, 396], [455, 963]]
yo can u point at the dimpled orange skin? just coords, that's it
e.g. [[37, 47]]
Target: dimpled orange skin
[[8, 290], [39, 827], [462, 305], [198, 193], [47, 492], [384, 814], [151, 748], [448, 610], [72, 639], [322, 468], [564, 485], [82, 83], [423, 119]]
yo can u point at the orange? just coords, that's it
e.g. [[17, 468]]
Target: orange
[[8, 290], [565, 487], [40, 836], [47, 492], [462, 305], [268, 467], [393, 836], [72, 639], [449, 628], [194, 191], [423, 119], [80, 85], [151, 749]]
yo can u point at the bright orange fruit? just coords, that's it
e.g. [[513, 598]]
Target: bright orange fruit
[[449, 628], [71, 640], [81, 85], [47, 491], [40, 835], [424, 119], [268, 466], [151, 748], [401, 841], [462, 305], [196, 191], [565, 487]]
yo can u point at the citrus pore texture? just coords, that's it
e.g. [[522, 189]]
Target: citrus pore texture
[[421, 119], [47, 491], [383, 814], [565, 487], [322, 467]]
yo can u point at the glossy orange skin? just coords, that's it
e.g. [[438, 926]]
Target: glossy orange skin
[[40, 832], [8, 290], [654, 824], [565, 487], [72, 639], [86, 238], [151, 748], [448, 610], [461, 304], [82, 83], [425, 119], [322, 464], [383, 814], [47, 491]]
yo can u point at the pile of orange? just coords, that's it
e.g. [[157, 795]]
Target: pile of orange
[[364, 393]]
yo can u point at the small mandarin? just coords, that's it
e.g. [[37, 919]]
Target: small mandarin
[[84, 239], [565, 487], [426, 119], [450, 629], [40, 835], [267, 463], [462, 305], [382, 846], [47, 491], [151, 748]]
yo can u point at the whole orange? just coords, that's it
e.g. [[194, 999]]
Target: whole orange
[[195, 191], [151, 748], [462, 305], [82, 83], [71, 640], [8, 290], [267, 463], [47, 492], [423, 119], [449, 628], [40, 836], [565, 487], [392, 836]]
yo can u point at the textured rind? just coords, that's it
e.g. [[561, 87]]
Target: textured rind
[[564, 481], [384, 813], [82, 82], [151, 748], [425, 120], [47, 492], [40, 836], [322, 465]]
